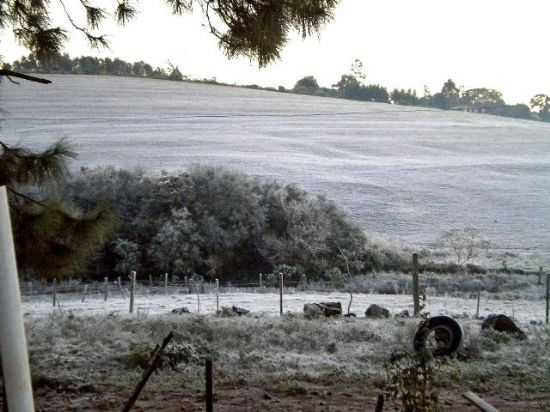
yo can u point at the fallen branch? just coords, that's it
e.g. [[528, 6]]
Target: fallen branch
[[157, 353], [479, 403]]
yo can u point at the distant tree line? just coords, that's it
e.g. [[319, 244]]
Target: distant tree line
[[64, 64], [351, 86], [451, 97]]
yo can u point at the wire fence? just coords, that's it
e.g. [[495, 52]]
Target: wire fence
[[148, 294]]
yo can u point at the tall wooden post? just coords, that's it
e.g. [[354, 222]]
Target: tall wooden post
[[217, 295], [132, 290], [261, 281], [166, 283], [209, 395], [478, 302], [84, 293], [54, 300], [540, 276], [547, 296], [105, 289], [416, 286], [13, 343], [281, 287]]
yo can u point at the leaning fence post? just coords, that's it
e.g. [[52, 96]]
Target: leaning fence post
[[119, 283], [132, 290], [106, 289], [13, 343], [281, 286], [416, 288], [54, 301], [547, 296], [478, 301], [209, 395], [166, 283], [84, 293], [217, 295]]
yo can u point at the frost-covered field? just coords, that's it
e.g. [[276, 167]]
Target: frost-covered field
[[404, 173], [268, 304]]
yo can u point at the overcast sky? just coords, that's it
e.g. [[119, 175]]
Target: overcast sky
[[500, 44]]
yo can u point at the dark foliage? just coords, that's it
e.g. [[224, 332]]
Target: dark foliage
[[256, 29], [218, 223], [51, 239]]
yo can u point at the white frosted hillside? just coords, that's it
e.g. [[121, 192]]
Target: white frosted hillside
[[403, 173]]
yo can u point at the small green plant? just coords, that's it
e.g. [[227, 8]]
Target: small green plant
[[410, 380]]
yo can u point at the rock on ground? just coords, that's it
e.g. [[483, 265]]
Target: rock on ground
[[502, 323], [377, 312]]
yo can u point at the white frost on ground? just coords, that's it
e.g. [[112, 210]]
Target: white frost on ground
[[268, 303]]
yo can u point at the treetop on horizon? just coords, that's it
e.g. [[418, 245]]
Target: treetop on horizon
[[257, 29]]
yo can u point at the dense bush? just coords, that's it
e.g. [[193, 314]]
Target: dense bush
[[217, 223]]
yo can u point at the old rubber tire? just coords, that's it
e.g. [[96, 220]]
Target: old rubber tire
[[446, 330]]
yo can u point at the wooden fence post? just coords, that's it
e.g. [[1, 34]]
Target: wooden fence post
[[84, 293], [166, 283], [198, 302], [209, 395], [547, 296], [119, 283], [54, 293], [132, 290], [540, 275], [217, 295], [261, 281], [106, 289], [416, 286], [281, 286], [478, 301]]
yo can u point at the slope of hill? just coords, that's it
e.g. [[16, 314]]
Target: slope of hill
[[404, 173]]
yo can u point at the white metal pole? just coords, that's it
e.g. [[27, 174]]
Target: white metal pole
[[13, 344]]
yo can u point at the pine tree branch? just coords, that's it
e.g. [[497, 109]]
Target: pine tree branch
[[11, 73], [27, 198]]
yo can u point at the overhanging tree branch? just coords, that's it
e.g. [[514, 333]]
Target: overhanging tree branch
[[11, 73]]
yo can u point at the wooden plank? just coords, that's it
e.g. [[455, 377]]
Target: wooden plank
[[479, 403]]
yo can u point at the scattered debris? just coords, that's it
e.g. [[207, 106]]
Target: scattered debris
[[446, 333], [479, 403], [232, 311], [377, 312], [180, 311], [403, 314], [502, 323], [327, 309]]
